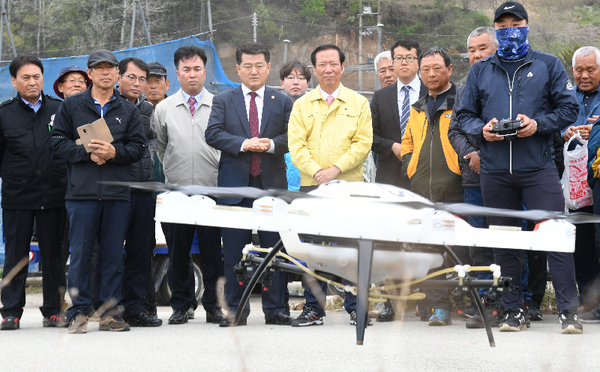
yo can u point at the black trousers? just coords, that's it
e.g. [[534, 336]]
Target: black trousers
[[181, 274], [539, 190], [18, 228], [139, 244], [586, 260], [234, 241]]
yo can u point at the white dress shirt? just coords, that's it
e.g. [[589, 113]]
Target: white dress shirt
[[414, 90]]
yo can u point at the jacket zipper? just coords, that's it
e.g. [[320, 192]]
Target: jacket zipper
[[431, 162], [510, 108]]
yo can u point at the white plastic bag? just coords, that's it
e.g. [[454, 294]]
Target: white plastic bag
[[575, 187]]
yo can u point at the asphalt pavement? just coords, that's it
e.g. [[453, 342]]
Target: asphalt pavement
[[408, 345]]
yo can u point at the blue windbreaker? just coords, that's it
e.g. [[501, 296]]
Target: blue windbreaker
[[540, 89]]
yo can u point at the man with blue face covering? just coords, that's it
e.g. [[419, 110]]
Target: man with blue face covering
[[520, 83]]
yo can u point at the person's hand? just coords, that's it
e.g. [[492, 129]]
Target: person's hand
[[528, 126], [487, 132], [585, 130], [266, 142], [325, 175], [96, 159], [396, 147], [103, 149], [569, 133], [256, 144], [474, 161], [593, 119]]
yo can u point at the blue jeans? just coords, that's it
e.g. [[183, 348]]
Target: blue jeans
[[106, 220]]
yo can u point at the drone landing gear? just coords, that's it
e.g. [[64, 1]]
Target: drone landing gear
[[365, 260], [478, 302], [254, 279]]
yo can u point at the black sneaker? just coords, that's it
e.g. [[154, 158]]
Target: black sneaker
[[353, 318], [514, 321], [279, 319], [56, 321], [470, 312], [308, 317], [591, 316], [534, 313], [570, 323], [477, 320], [10, 323]]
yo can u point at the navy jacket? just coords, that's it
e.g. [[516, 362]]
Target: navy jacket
[[541, 90], [463, 144], [125, 124], [33, 176], [594, 139], [227, 129]]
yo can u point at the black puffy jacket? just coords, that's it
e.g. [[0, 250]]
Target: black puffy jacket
[[33, 176], [143, 170]]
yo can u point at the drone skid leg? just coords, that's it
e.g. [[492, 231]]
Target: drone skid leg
[[365, 260], [475, 294]]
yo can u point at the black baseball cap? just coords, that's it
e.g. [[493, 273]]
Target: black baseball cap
[[511, 7], [68, 70], [101, 55], [157, 68]]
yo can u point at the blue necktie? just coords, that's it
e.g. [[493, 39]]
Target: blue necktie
[[405, 110]]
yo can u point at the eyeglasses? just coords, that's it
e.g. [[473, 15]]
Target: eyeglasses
[[409, 59], [292, 77], [133, 78], [76, 81]]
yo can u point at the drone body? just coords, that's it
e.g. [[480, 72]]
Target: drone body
[[324, 230], [363, 232]]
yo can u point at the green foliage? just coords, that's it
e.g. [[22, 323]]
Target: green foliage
[[587, 14], [313, 10], [445, 26], [565, 53]]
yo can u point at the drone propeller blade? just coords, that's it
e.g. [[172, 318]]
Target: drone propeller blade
[[149, 186], [579, 217], [217, 192], [535, 214], [474, 210]]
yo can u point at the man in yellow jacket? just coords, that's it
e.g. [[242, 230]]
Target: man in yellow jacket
[[329, 136], [428, 158], [330, 141]]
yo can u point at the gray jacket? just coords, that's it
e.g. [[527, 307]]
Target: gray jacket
[[182, 148]]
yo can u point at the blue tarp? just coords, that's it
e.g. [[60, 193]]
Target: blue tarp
[[216, 80]]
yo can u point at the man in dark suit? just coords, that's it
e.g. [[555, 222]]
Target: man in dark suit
[[390, 108], [249, 125]]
